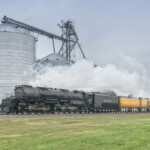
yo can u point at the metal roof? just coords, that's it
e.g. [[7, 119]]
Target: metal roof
[[53, 57], [53, 60], [9, 28]]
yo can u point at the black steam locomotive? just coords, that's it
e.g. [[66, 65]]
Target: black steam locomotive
[[28, 99]]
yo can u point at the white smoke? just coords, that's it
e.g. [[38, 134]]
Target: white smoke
[[84, 76]]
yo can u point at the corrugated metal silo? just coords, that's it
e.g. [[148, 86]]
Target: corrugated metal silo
[[17, 55]]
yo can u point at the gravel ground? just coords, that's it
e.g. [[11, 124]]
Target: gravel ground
[[3, 116]]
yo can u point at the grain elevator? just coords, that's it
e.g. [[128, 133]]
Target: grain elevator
[[17, 54]]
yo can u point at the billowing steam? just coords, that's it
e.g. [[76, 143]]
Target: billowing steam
[[84, 76]]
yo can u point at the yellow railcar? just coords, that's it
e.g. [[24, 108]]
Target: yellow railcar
[[145, 103], [129, 103]]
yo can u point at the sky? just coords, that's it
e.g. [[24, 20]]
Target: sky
[[110, 31]]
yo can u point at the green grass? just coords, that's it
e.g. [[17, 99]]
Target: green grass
[[101, 132]]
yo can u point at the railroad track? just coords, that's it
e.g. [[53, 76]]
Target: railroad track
[[7, 116]]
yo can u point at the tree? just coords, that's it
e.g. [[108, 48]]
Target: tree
[[110, 92], [130, 96]]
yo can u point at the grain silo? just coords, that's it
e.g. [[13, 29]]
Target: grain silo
[[17, 55]]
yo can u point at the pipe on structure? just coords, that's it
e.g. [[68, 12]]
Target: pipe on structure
[[69, 38], [31, 28]]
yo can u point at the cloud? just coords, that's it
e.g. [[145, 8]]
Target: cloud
[[84, 76]]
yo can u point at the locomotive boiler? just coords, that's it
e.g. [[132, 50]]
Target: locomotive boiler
[[39, 99]]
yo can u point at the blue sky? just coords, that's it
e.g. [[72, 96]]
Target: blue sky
[[108, 29]]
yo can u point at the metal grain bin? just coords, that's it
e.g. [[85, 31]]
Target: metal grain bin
[[17, 55]]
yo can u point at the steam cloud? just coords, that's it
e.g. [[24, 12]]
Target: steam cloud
[[84, 76]]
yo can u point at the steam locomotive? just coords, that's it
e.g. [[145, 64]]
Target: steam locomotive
[[28, 99]]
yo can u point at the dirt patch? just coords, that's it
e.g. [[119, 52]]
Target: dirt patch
[[10, 136], [36, 123], [108, 124], [79, 124]]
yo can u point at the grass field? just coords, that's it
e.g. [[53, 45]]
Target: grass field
[[101, 132]]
